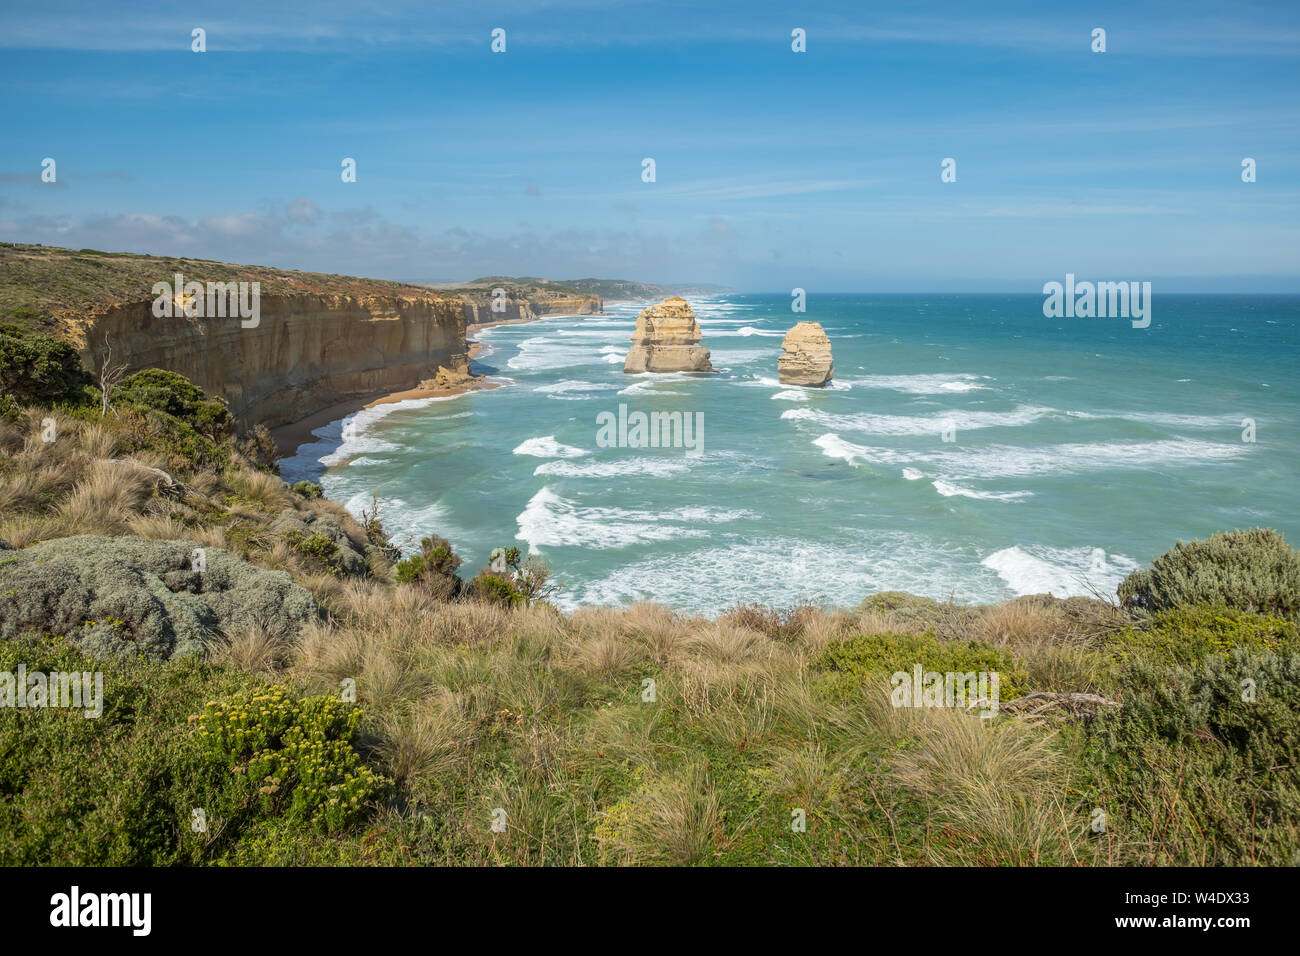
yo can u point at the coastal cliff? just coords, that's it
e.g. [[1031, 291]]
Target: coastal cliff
[[523, 304], [318, 339], [308, 351]]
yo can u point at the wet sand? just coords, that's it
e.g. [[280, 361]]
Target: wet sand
[[288, 437]]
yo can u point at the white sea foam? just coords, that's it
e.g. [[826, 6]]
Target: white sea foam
[[783, 571], [347, 438], [834, 446], [1165, 419], [919, 424], [911, 474], [548, 447], [572, 389], [541, 353], [1008, 461], [1064, 572], [653, 466], [555, 521], [648, 383], [949, 490], [792, 395], [746, 331], [610, 332], [926, 384]]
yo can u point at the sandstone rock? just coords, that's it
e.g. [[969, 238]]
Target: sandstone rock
[[127, 596], [458, 377], [805, 356], [667, 339]]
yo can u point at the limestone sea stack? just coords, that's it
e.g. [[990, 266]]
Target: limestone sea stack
[[667, 339], [805, 356]]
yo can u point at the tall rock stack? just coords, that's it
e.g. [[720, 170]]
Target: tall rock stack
[[805, 356], [667, 339]]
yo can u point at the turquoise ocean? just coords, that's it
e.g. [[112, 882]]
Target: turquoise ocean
[[1079, 449]]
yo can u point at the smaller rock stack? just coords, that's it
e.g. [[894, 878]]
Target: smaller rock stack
[[805, 356], [667, 339]]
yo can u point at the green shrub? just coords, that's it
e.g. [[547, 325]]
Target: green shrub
[[121, 789], [40, 369], [434, 568], [176, 395], [872, 658], [308, 489], [487, 586], [1254, 571], [319, 547], [1190, 635], [292, 756], [511, 578], [915, 613], [11, 410], [1201, 765]]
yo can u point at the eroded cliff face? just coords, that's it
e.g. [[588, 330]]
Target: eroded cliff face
[[478, 306], [308, 351]]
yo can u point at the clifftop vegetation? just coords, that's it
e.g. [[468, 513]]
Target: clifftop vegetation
[[44, 286]]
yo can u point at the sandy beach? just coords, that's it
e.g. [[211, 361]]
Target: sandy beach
[[288, 437]]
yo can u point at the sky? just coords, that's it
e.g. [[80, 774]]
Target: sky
[[773, 169]]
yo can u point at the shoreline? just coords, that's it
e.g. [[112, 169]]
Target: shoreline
[[290, 437]]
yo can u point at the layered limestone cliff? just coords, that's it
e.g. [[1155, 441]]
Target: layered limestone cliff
[[805, 356], [667, 339], [520, 304], [306, 353]]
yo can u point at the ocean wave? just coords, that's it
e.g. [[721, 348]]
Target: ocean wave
[[541, 353], [833, 446], [949, 490], [746, 331], [925, 384], [646, 382], [1160, 418], [554, 521], [1063, 572], [338, 442], [655, 467], [572, 389], [1008, 461], [918, 424], [792, 395], [548, 447], [779, 572]]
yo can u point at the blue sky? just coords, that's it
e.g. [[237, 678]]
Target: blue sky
[[774, 169]]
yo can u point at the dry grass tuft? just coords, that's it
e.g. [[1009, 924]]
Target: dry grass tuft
[[262, 490], [253, 649]]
